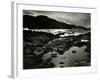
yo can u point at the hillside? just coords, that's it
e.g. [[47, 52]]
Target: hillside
[[44, 22]]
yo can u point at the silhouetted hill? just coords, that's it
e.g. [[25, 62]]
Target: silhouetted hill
[[44, 22]]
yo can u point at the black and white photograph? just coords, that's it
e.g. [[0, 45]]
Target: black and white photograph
[[56, 39]]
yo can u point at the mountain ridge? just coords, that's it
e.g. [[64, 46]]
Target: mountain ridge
[[44, 22]]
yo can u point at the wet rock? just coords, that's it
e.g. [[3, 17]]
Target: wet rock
[[61, 63], [73, 51], [61, 66]]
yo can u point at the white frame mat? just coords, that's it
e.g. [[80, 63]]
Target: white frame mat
[[17, 61]]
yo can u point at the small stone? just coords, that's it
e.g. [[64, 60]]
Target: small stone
[[73, 51]]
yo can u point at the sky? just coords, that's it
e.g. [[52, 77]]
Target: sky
[[79, 19]]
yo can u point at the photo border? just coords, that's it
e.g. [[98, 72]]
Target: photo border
[[17, 38]]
